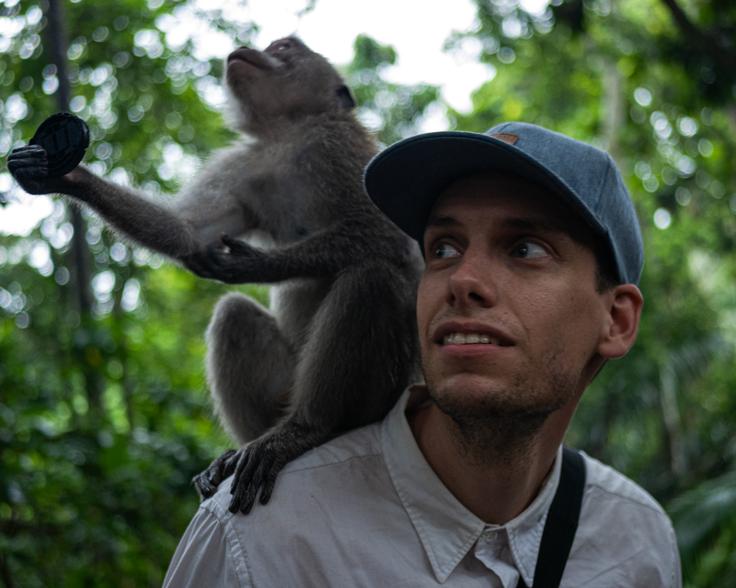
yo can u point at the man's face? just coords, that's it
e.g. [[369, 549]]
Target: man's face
[[509, 316]]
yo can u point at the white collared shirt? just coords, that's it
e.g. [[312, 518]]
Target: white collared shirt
[[366, 509]]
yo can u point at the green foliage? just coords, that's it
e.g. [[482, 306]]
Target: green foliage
[[395, 108], [707, 530], [105, 418]]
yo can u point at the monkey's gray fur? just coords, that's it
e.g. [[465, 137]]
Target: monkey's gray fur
[[339, 344]]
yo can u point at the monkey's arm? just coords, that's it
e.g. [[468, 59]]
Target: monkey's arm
[[322, 254], [155, 225]]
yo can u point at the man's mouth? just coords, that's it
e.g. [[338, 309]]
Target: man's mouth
[[471, 333], [473, 339]]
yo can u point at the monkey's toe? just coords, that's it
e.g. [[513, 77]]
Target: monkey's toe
[[205, 488], [261, 462], [256, 474], [207, 482]]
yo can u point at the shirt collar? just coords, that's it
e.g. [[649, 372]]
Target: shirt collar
[[446, 529]]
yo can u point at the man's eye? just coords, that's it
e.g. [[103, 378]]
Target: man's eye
[[529, 250], [444, 250]]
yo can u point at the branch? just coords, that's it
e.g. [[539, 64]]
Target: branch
[[682, 20], [5, 573], [13, 527], [707, 42]]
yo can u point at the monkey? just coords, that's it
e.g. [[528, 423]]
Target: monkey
[[338, 343]]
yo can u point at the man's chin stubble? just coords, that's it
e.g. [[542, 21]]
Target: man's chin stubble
[[495, 428], [493, 437]]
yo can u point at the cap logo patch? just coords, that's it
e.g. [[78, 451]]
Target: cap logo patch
[[506, 138]]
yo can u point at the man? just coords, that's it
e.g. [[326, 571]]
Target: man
[[532, 253]]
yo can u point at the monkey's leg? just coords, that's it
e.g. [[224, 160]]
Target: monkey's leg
[[249, 370], [357, 360]]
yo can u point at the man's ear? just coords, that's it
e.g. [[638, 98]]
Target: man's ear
[[619, 332]]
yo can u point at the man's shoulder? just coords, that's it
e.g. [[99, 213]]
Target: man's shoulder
[[322, 503], [326, 471], [313, 497], [624, 536], [610, 485]]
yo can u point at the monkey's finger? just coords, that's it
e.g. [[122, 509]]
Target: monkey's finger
[[234, 505], [27, 151], [217, 258], [236, 245], [30, 172], [244, 496], [231, 458], [194, 267], [236, 501], [257, 455], [21, 161], [255, 483], [15, 165], [195, 264], [242, 464], [248, 476], [249, 498], [268, 484], [237, 487], [214, 251]]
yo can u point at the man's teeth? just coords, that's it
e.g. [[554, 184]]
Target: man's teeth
[[469, 339]]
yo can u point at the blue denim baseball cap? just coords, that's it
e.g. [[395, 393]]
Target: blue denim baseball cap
[[406, 178]]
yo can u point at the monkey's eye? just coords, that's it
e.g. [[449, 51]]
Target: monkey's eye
[[282, 45]]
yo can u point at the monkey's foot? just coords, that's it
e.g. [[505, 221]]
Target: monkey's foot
[[261, 461], [206, 482]]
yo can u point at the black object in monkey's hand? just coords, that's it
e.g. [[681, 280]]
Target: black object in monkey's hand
[[64, 137]]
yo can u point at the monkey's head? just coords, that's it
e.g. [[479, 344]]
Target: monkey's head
[[286, 81]]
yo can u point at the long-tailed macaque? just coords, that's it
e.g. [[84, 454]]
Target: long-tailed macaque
[[339, 344]]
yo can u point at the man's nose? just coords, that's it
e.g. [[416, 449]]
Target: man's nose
[[473, 282]]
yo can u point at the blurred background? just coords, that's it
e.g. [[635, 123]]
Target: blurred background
[[104, 412]]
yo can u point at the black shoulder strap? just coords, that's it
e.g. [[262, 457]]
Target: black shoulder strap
[[562, 522]]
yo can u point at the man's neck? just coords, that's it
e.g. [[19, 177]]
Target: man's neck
[[501, 484]]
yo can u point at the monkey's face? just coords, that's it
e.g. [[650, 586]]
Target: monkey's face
[[285, 80]]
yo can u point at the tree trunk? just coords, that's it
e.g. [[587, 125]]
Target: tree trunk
[[613, 115], [672, 421], [57, 44]]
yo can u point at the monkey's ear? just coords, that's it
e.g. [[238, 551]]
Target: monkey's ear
[[345, 97]]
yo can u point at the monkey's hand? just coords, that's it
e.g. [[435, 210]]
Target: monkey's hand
[[206, 482], [29, 166], [231, 261], [260, 462]]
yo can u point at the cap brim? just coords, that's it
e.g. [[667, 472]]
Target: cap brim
[[405, 179]]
